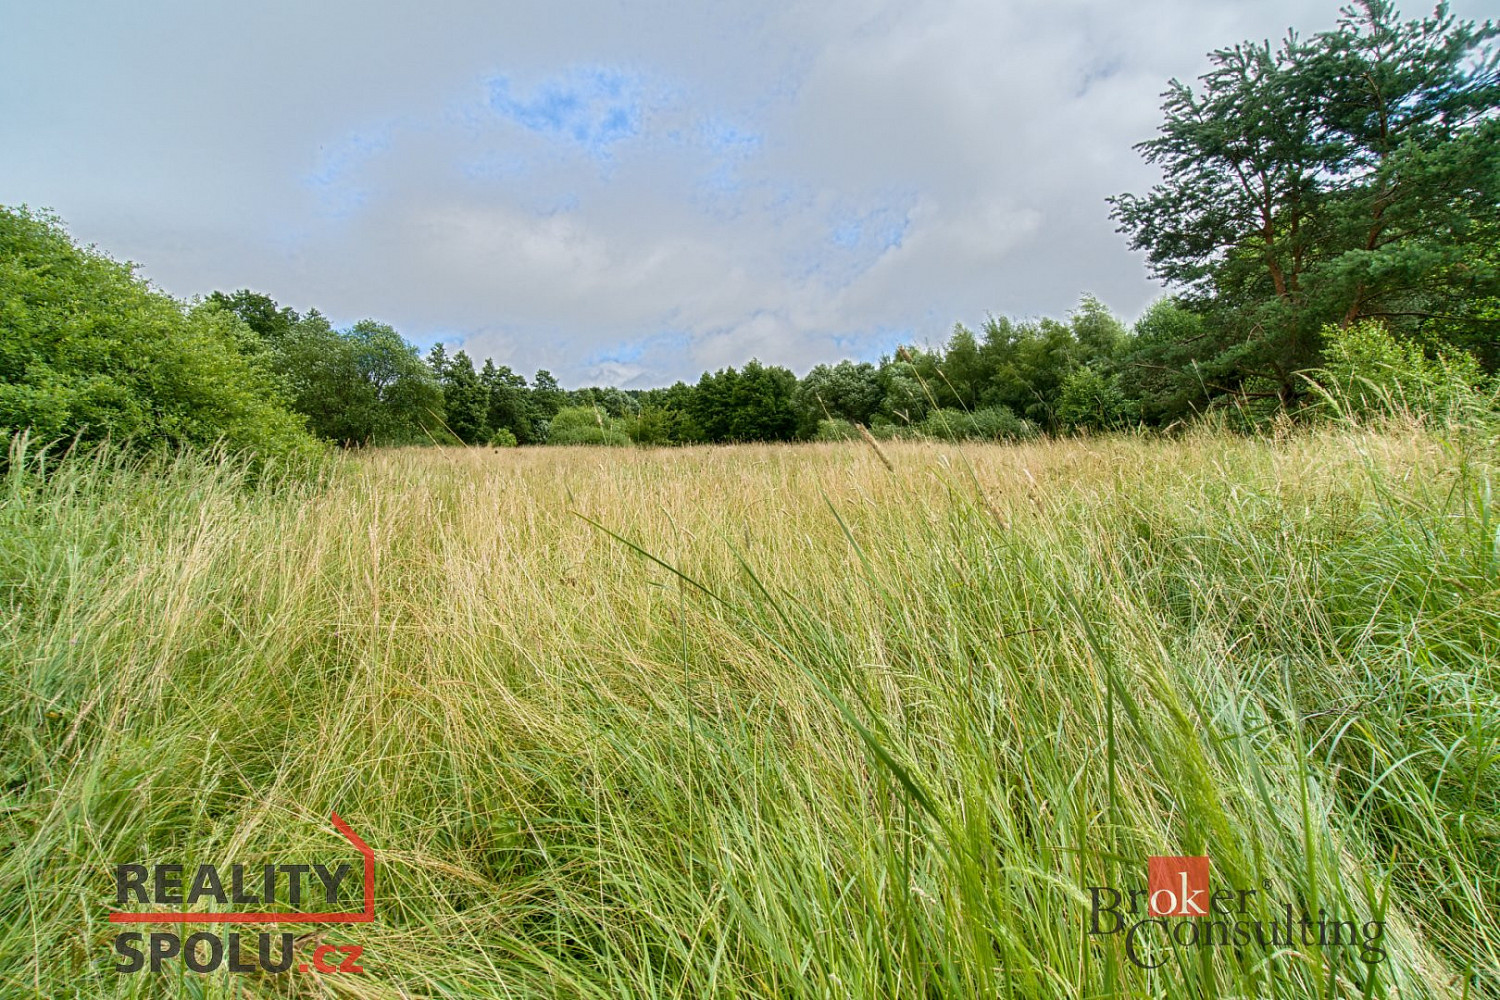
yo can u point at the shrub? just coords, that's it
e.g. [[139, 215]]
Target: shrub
[[503, 438], [1368, 372], [1091, 399], [89, 350], [836, 430], [585, 425], [991, 424], [653, 426], [885, 430]]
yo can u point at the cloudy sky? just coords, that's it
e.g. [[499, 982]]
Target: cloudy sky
[[624, 193]]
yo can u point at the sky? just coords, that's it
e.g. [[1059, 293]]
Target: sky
[[622, 193]]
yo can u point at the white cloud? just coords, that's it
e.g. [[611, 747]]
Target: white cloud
[[621, 193]]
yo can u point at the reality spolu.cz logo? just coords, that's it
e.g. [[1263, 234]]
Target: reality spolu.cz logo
[[1178, 887], [264, 886]]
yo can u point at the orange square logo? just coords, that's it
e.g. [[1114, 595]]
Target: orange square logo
[[1177, 887]]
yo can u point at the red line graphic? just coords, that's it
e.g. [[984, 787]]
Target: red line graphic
[[364, 917]]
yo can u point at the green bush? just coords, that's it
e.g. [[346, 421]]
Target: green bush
[[989, 424], [1368, 372], [503, 438], [585, 425], [1091, 399], [89, 350], [836, 430], [652, 426], [882, 428]]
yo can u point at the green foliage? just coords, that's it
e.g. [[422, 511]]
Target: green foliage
[[904, 395], [882, 428], [666, 416], [1369, 372], [547, 397], [1026, 364], [1092, 400], [836, 430], [846, 391], [1015, 367], [503, 438], [89, 350], [1472, 322], [753, 404], [585, 425], [271, 322], [614, 401], [363, 386], [993, 423], [508, 404], [1158, 366], [652, 426], [466, 401], [1307, 186], [1352, 175], [1099, 334]]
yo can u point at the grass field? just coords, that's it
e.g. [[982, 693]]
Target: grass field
[[768, 721]]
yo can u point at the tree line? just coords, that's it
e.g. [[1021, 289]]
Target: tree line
[[367, 385], [1310, 189]]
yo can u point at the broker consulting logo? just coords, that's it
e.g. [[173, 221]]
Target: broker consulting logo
[[1178, 909], [298, 886]]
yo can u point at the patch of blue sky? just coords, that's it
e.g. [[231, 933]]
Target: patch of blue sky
[[784, 199], [722, 179], [871, 345], [335, 179], [595, 108], [715, 149], [425, 340], [875, 230], [598, 111], [728, 140], [855, 239], [626, 352], [848, 234]]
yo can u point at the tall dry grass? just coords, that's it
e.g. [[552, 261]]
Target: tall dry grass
[[766, 721]]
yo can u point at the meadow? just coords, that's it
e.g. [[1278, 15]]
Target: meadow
[[767, 720]]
